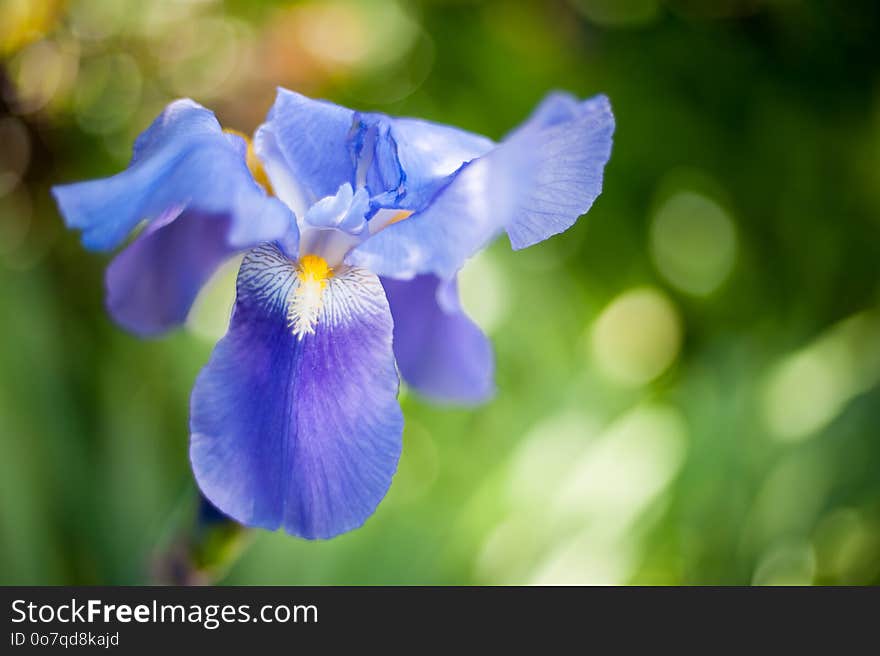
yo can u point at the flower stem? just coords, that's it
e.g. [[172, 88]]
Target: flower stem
[[202, 553]]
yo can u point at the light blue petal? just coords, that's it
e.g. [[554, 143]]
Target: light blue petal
[[555, 108], [345, 211], [430, 151], [300, 433], [378, 168], [414, 159], [533, 185], [182, 161], [567, 177], [305, 148], [311, 147], [440, 352]]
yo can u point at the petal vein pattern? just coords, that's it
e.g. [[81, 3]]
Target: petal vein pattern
[[533, 185], [300, 432]]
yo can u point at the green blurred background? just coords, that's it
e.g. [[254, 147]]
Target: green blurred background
[[687, 380]]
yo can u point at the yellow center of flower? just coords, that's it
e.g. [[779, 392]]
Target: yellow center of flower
[[253, 162], [314, 268], [307, 300]]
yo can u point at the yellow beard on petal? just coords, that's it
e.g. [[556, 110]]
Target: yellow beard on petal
[[307, 300]]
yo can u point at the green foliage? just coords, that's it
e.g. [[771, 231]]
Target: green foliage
[[687, 380]]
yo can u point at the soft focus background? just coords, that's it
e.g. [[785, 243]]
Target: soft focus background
[[687, 380]]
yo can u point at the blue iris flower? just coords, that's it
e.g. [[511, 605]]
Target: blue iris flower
[[354, 227]]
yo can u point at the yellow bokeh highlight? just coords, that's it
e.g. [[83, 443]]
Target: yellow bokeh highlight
[[24, 21], [636, 337]]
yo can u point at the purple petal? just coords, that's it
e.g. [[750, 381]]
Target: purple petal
[[190, 182], [151, 285], [300, 433], [440, 352]]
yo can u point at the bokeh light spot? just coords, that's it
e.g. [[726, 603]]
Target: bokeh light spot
[[97, 19], [786, 564], [355, 34], [107, 93], [637, 336], [611, 484], [618, 474], [804, 393], [586, 560], [547, 453], [806, 390], [38, 72], [25, 21], [207, 56], [693, 243]]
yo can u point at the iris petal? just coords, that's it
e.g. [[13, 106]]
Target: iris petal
[[430, 151], [533, 185], [441, 353], [183, 160], [345, 211], [151, 285], [311, 147], [555, 108], [427, 154], [300, 433], [191, 182], [304, 146], [564, 181]]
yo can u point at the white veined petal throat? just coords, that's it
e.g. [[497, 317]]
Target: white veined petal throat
[[307, 299]]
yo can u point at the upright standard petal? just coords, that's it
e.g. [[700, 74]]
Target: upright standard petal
[[302, 431], [182, 161], [426, 154], [311, 147], [305, 147], [533, 185], [440, 352]]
